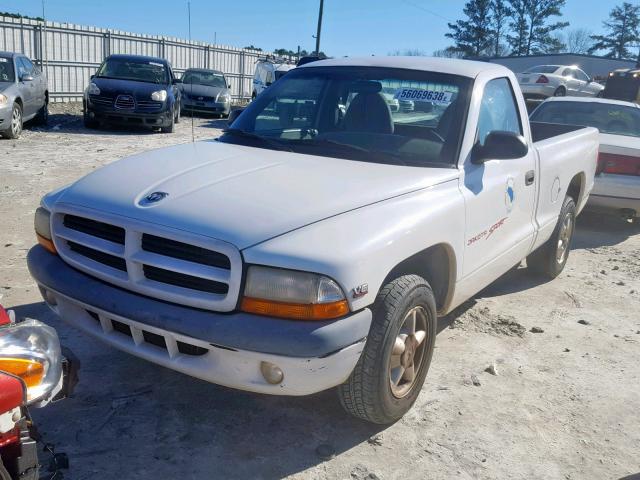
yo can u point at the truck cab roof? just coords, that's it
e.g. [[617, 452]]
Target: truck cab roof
[[464, 68]]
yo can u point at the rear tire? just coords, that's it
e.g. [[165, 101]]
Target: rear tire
[[550, 259], [15, 123], [390, 373], [560, 92]]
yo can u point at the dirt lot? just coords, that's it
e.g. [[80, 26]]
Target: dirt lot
[[565, 403]]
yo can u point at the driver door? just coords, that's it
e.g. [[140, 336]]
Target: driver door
[[499, 194]]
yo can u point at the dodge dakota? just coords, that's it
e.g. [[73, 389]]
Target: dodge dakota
[[316, 242]]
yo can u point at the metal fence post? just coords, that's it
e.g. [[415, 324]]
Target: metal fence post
[[37, 45], [106, 44], [242, 76]]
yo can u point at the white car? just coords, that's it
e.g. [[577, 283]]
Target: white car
[[544, 81], [311, 249], [267, 72], [617, 184]]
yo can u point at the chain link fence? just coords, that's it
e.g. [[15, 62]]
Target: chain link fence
[[69, 54]]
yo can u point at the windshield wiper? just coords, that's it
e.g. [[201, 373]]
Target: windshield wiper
[[254, 136], [383, 155]]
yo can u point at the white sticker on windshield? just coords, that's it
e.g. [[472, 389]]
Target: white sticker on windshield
[[156, 64], [2, 59], [420, 95]]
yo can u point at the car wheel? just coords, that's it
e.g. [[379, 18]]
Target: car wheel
[[169, 128], [390, 373], [89, 123], [600, 94], [550, 259], [178, 112], [560, 92], [42, 117], [15, 123]]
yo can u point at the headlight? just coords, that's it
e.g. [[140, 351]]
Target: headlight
[[42, 225], [3, 99], [31, 350], [292, 294], [93, 89], [224, 97], [159, 96]]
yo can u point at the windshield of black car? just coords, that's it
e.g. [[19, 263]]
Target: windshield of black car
[[133, 69], [360, 113], [204, 78], [7, 72], [609, 118]]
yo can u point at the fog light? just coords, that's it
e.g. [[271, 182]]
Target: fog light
[[271, 373], [48, 297]]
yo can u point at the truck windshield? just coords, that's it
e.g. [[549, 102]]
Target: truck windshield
[[134, 69], [7, 72], [607, 117], [360, 113]]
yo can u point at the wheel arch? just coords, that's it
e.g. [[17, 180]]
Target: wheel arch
[[576, 188], [437, 265]]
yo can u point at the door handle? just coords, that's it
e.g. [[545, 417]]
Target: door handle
[[529, 177]]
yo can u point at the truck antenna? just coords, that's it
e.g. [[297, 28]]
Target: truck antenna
[[193, 136]]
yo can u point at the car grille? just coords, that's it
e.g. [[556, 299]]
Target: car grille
[[101, 100], [203, 273], [149, 105], [125, 102], [200, 98]]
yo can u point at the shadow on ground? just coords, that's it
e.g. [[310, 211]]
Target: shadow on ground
[[162, 424]]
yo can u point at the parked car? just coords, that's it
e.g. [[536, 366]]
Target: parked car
[[313, 250], [623, 84], [24, 94], [34, 371], [267, 72], [133, 90], [544, 81], [617, 182], [205, 91]]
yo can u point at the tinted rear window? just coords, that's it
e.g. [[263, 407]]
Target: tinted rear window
[[542, 69]]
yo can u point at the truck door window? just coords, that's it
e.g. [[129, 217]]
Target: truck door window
[[498, 110]]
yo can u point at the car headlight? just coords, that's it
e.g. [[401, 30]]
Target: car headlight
[[292, 294], [42, 225], [159, 96], [224, 97], [30, 350], [3, 99], [93, 89]]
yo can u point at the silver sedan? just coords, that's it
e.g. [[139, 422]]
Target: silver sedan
[[23, 94], [544, 81]]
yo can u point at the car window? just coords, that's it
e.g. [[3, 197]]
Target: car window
[[568, 72], [139, 70], [606, 117], [366, 113], [580, 75], [269, 78], [27, 65], [23, 69], [7, 72], [208, 79], [542, 69], [498, 110]]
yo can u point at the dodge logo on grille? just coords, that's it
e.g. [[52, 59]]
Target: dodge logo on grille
[[156, 197]]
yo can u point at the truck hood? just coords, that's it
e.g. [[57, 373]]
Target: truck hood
[[238, 194]]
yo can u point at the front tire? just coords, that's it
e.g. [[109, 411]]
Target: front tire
[[550, 259], [169, 128], [178, 112], [15, 123], [390, 373]]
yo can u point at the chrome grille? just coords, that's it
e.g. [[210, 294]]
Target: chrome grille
[[101, 100], [172, 266], [149, 105], [125, 102]]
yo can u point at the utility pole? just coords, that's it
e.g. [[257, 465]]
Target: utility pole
[[319, 27]]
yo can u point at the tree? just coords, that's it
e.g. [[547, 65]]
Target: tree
[[623, 29], [500, 12], [577, 40], [449, 52], [409, 52], [532, 32], [473, 36], [251, 47]]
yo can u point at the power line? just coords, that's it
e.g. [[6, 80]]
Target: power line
[[424, 9]]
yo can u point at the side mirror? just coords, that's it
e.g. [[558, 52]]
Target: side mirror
[[233, 115], [26, 78], [268, 84], [499, 145], [92, 76]]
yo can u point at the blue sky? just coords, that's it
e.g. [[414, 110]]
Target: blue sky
[[350, 27]]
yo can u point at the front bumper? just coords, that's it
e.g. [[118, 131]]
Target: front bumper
[[205, 107], [5, 115], [157, 118], [225, 349], [537, 90]]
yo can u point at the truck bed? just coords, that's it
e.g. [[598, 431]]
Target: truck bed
[[542, 130]]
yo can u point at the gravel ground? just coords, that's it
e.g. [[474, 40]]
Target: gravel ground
[[564, 404]]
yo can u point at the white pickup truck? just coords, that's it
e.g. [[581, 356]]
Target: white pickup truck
[[316, 242]]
